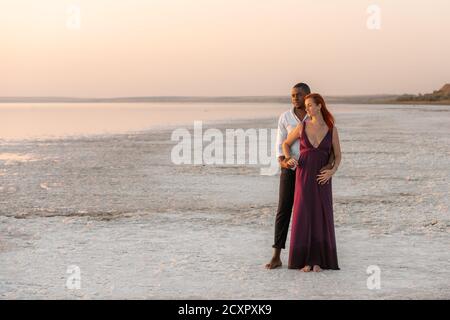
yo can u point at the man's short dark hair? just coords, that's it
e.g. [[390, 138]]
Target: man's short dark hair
[[303, 86]]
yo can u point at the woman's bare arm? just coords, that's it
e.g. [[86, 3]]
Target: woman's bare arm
[[336, 149], [291, 138]]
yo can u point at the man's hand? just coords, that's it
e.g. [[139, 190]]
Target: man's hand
[[291, 163], [286, 165]]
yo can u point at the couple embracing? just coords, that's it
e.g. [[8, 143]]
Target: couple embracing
[[309, 154]]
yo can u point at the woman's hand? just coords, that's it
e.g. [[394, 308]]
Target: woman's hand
[[325, 175], [291, 162]]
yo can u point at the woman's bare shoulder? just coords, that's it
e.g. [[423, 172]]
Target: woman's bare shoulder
[[335, 131]]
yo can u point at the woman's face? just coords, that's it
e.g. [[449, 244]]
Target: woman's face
[[312, 108]]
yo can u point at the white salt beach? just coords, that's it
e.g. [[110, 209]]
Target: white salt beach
[[111, 202]]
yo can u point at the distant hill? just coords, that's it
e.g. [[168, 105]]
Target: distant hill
[[445, 89], [441, 96]]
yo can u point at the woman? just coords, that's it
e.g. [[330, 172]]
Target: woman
[[313, 243]]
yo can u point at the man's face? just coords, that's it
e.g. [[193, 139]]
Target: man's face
[[298, 98]]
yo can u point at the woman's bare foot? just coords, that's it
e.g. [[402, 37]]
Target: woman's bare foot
[[306, 269], [317, 268], [274, 263]]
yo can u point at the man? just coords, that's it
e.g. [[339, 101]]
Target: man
[[286, 123]]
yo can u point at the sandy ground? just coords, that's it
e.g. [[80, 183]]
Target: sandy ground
[[140, 227]]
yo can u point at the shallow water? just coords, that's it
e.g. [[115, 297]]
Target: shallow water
[[20, 121], [60, 120]]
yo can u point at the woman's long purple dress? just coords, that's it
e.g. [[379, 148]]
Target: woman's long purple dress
[[312, 235]]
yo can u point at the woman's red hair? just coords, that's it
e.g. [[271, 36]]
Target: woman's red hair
[[327, 116]]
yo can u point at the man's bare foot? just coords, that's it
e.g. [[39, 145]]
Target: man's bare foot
[[317, 268], [274, 263], [306, 269]]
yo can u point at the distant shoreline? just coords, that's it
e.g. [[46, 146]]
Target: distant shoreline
[[435, 103], [365, 99]]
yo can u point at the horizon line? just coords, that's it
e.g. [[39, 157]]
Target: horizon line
[[191, 96]]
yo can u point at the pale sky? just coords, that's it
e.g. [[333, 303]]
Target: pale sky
[[221, 47]]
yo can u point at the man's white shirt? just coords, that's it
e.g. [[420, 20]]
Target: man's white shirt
[[286, 123]]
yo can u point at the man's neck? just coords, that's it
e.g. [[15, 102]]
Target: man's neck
[[300, 113]]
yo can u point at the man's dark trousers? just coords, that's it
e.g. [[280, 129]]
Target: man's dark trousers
[[285, 203]]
